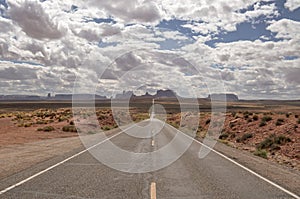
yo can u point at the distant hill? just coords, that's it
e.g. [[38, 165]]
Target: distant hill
[[165, 94], [20, 97], [221, 96], [159, 94], [77, 96], [125, 95]]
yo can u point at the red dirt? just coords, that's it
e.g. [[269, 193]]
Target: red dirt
[[236, 125], [11, 134]]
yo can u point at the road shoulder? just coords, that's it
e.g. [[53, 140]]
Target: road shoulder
[[281, 175]]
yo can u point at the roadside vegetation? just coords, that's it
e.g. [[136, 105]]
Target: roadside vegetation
[[273, 136]]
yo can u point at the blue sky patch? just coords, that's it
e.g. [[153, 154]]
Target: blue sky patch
[[102, 44], [101, 20], [291, 57]]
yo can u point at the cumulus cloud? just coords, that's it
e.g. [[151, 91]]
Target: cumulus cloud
[[97, 37], [216, 15], [34, 21], [292, 4], [285, 28], [130, 11]]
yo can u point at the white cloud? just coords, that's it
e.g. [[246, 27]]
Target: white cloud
[[285, 28], [215, 15], [66, 43], [292, 4], [129, 11], [34, 21]]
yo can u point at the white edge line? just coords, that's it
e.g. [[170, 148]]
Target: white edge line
[[242, 166], [60, 163], [220, 154]]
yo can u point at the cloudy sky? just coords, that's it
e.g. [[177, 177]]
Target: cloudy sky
[[247, 47]]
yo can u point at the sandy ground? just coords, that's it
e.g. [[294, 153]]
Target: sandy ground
[[22, 147], [14, 158], [11, 134]]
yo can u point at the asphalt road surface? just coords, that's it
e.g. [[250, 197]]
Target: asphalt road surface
[[84, 176]]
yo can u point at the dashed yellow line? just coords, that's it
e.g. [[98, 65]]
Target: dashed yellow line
[[153, 190]]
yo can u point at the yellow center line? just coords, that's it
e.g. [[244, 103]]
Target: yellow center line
[[153, 190]]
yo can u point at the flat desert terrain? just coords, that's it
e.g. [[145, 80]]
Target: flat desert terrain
[[33, 132]]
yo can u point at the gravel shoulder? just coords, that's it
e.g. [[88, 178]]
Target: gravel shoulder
[[15, 158], [280, 174]]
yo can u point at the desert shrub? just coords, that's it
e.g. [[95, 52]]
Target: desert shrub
[[46, 129], [287, 115], [28, 125], [246, 113], [101, 117], [266, 143], [233, 114], [279, 121], [207, 121], [261, 153], [232, 135], [275, 147], [231, 125], [298, 121], [71, 123], [249, 120], [21, 125], [266, 118], [296, 116], [255, 117], [200, 128], [246, 116], [69, 128], [245, 137], [281, 139], [223, 136], [61, 119], [273, 141], [174, 124], [41, 122], [106, 128], [262, 123]]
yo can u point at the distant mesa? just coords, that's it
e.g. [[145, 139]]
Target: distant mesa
[[20, 97], [166, 94], [78, 97], [159, 94], [229, 97], [59, 97], [125, 95]]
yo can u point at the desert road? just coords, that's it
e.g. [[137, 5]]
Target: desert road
[[83, 176]]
